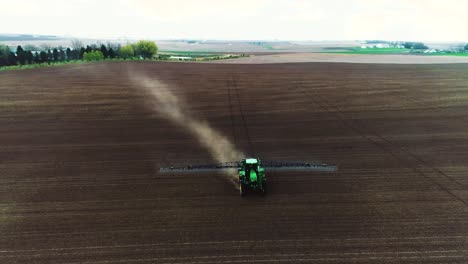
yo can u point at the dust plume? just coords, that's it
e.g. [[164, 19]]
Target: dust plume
[[173, 108]]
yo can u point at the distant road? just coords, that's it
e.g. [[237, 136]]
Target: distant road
[[347, 58]]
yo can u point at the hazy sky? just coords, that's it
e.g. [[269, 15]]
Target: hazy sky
[[425, 20]]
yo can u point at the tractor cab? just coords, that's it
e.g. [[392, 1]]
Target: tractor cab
[[251, 169], [251, 176]]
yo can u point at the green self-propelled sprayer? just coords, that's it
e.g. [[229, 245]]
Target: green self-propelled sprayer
[[251, 176], [251, 171]]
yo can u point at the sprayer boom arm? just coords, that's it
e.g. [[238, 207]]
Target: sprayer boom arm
[[268, 165], [201, 168]]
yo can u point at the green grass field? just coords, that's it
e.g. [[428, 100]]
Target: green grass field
[[165, 55], [41, 65], [381, 51], [457, 54], [359, 50]]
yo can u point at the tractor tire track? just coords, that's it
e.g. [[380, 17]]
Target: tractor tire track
[[244, 121], [231, 112]]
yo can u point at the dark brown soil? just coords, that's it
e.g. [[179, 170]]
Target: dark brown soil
[[80, 153]]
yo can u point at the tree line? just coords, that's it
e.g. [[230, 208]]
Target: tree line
[[142, 49], [415, 45]]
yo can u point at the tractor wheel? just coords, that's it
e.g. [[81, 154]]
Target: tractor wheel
[[264, 186], [241, 189]]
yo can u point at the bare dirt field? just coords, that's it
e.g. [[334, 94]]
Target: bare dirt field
[[81, 145], [345, 58]]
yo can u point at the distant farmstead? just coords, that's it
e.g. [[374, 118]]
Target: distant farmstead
[[379, 46], [180, 58]]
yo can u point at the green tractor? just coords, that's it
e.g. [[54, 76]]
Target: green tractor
[[251, 176]]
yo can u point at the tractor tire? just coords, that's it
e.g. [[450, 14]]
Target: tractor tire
[[241, 189], [264, 188]]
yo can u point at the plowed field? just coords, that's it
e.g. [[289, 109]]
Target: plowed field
[[80, 151]]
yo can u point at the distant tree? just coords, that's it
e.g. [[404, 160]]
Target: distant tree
[[146, 49], [20, 55], [69, 54], [55, 54], [4, 52], [11, 61], [414, 45], [76, 44], [111, 53], [37, 58], [62, 55], [75, 54], [419, 45], [3, 62], [29, 57], [50, 57], [126, 52], [408, 45], [104, 51], [93, 56], [114, 46], [44, 56], [116, 49], [82, 51], [466, 47], [88, 49]]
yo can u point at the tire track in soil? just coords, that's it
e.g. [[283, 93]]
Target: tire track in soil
[[244, 121]]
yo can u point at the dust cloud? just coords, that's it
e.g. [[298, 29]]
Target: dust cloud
[[173, 108]]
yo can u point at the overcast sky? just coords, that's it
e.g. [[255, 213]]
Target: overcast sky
[[424, 20]]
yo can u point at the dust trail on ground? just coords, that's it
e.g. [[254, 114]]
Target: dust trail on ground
[[173, 108]]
